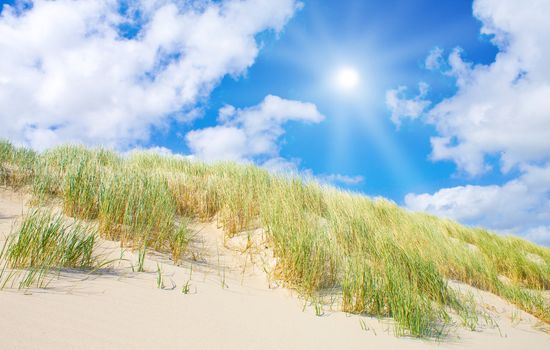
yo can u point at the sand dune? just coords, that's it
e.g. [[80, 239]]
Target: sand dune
[[231, 304]]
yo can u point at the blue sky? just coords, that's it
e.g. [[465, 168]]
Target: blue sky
[[391, 41], [450, 113]]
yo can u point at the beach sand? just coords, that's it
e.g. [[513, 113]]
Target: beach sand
[[232, 303]]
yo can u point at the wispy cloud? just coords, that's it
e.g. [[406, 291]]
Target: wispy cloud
[[402, 107], [339, 179], [435, 59]]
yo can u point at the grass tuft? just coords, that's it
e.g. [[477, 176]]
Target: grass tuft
[[45, 242]]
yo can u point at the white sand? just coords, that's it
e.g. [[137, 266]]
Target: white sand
[[126, 310]]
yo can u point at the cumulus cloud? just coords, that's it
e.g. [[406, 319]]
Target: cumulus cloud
[[520, 206], [90, 72], [218, 143], [502, 111], [402, 107], [250, 134], [495, 105]]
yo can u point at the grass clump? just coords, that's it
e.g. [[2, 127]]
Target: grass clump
[[45, 242], [81, 188], [178, 241], [17, 165], [137, 208]]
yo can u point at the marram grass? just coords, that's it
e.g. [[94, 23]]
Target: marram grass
[[17, 165], [377, 258], [45, 242]]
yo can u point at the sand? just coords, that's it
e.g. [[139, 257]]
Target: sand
[[230, 305]]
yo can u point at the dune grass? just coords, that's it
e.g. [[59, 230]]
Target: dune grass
[[17, 165], [45, 242], [379, 259]]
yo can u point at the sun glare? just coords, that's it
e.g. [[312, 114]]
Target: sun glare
[[347, 78]]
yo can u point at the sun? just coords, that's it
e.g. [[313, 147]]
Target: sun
[[347, 78]]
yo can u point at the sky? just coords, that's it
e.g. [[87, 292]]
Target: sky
[[440, 106]]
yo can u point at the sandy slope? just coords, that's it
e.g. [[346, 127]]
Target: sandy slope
[[119, 309]]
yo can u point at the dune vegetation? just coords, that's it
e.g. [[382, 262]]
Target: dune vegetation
[[43, 242], [377, 258]]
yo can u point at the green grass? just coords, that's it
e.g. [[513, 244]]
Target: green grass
[[80, 189], [136, 207], [45, 242], [17, 165], [377, 258], [160, 279]]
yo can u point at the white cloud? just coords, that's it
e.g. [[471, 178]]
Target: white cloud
[[435, 59], [68, 75], [539, 234], [500, 110], [520, 206], [342, 179], [402, 107], [161, 151], [218, 143], [292, 167], [283, 166], [250, 134]]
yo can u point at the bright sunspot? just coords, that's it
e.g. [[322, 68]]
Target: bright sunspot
[[347, 78]]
